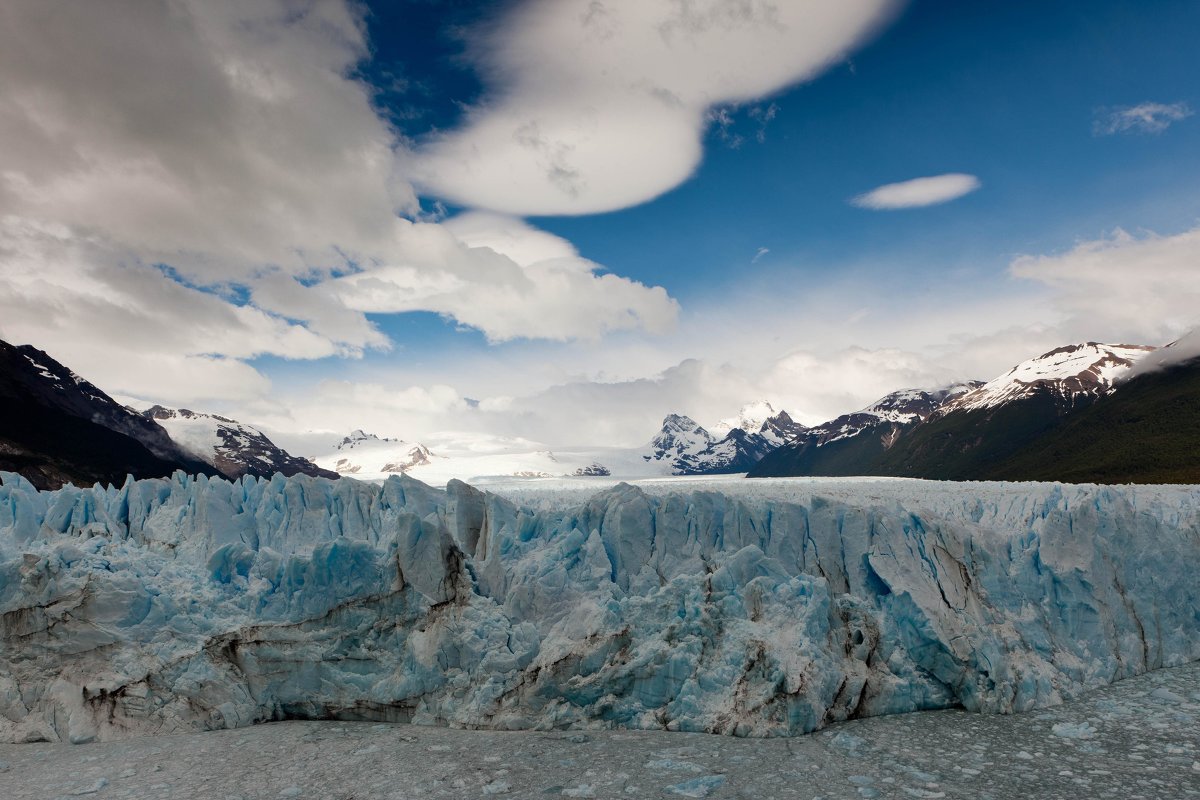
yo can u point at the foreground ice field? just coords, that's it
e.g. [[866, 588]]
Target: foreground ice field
[[1135, 740], [752, 608]]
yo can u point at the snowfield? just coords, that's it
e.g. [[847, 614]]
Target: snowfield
[[752, 608]]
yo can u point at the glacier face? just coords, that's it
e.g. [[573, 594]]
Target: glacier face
[[197, 603]]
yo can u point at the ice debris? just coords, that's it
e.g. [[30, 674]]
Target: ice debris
[[197, 603], [1073, 730], [697, 787]]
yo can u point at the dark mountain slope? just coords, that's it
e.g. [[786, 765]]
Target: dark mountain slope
[[973, 435], [854, 444], [1146, 431], [56, 427], [967, 444]]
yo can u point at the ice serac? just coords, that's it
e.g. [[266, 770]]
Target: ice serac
[[769, 609]]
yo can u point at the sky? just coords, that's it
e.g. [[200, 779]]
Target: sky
[[561, 220]]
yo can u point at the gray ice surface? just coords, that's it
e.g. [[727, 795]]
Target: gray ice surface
[[1137, 739]]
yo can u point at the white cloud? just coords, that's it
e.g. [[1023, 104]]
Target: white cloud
[[817, 365], [218, 137], [918, 192], [228, 141], [1143, 118], [510, 281], [1185, 348], [1141, 289], [601, 104], [129, 327]]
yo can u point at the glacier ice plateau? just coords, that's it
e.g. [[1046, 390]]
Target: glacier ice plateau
[[767, 609]]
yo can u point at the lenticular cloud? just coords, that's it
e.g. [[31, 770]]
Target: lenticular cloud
[[597, 107], [918, 192]]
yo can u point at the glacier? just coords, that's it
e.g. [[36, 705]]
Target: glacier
[[775, 608]]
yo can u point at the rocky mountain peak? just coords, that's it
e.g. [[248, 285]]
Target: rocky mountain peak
[[358, 436]]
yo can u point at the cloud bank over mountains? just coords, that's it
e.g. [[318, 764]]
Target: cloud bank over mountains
[[187, 186]]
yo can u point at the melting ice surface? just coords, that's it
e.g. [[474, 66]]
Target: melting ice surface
[[750, 608]]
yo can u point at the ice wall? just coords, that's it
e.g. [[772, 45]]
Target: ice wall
[[196, 603]]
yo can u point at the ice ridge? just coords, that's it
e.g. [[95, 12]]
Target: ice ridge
[[199, 603]]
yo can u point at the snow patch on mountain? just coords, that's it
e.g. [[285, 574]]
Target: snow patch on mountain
[[681, 440], [232, 447], [901, 408], [360, 437], [750, 418], [59, 376], [1071, 373]]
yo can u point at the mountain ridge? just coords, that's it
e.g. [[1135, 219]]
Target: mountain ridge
[[685, 447], [1029, 424], [57, 427], [233, 447]]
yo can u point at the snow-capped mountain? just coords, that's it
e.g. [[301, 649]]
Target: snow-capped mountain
[[476, 457], [760, 417], [892, 411], [361, 437], [61, 388], [750, 418], [1146, 429], [685, 447], [852, 443], [681, 441], [418, 455], [1070, 374], [364, 454], [234, 448], [56, 427], [970, 432]]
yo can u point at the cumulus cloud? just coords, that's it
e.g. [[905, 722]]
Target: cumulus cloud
[[820, 386], [510, 281], [918, 192], [217, 137], [1143, 289], [187, 179], [128, 326], [1142, 118], [601, 104]]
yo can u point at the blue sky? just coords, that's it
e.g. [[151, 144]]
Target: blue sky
[[323, 216]]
